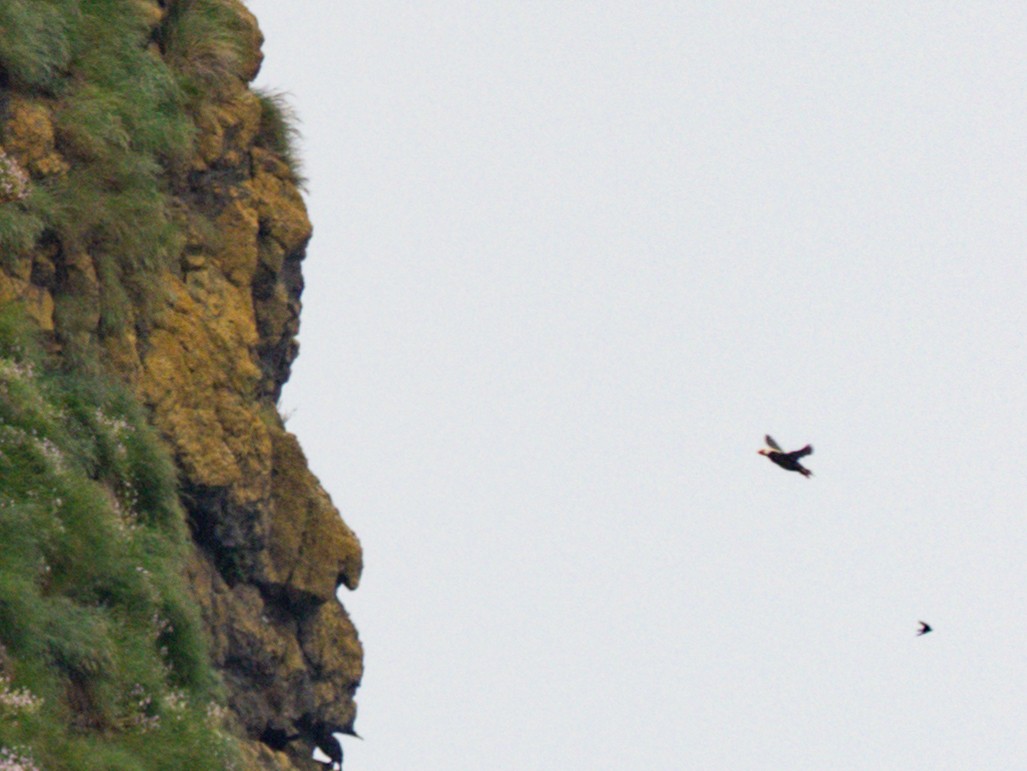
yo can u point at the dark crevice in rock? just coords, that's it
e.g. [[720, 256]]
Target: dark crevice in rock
[[278, 738], [295, 604], [223, 531], [277, 288]]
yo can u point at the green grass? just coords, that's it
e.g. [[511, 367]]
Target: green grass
[[96, 624], [279, 130], [35, 41], [125, 119], [23, 222], [103, 660], [205, 42], [127, 97]]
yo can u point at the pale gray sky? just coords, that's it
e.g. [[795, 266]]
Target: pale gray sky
[[571, 261]]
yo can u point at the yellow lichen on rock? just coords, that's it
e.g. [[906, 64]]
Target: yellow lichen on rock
[[203, 325], [253, 56], [311, 549], [121, 351], [278, 202], [151, 12], [237, 255], [29, 136], [257, 756], [309, 667], [199, 376], [37, 302], [227, 129], [331, 644]]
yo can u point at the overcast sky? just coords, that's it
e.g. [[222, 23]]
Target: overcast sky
[[571, 261]]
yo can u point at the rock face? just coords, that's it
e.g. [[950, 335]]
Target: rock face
[[209, 354]]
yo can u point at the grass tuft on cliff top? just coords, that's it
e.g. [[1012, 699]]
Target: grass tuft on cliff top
[[279, 130], [205, 41], [103, 663]]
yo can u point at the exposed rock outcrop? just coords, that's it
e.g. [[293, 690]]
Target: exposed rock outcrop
[[208, 351]]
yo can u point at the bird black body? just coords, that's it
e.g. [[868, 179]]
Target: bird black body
[[924, 629], [787, 460]]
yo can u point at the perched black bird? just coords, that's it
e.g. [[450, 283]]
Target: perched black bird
[[924, 628], [333, 752], [787, 460]]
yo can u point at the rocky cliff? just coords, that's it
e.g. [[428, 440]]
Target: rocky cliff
[[153, 228]]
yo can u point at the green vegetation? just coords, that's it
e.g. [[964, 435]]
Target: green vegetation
[[102, 660], [204, 40], [123, 126], [127, 97], [35, 45], [279, 131], [103, 663], [121, 123], [23, 222]]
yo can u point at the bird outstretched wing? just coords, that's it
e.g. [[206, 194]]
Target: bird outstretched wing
[[771, 443], [796, 454]]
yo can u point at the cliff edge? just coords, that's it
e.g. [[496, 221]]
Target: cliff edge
[[153, 229]]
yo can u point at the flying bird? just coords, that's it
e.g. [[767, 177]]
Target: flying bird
[[787, 460], [924, 628]]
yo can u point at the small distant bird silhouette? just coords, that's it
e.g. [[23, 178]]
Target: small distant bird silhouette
[[924, 628], [787, 460]]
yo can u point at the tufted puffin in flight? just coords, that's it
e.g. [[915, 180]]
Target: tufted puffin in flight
[[787, 460]]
